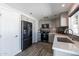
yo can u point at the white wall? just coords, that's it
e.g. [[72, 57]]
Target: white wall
[[52, 23], [10, 27]]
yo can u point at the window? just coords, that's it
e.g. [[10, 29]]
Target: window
[[74, 23]]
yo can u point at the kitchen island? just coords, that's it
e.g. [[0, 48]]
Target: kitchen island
[[65, 48]]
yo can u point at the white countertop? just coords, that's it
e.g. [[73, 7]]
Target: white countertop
[[66, 47]]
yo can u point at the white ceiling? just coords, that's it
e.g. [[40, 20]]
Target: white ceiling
[[41, 10]]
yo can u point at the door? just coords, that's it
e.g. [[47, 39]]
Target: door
[[9, 32], [26, 34]]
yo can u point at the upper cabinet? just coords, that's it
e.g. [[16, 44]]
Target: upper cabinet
[[64, 19], [57, 22]]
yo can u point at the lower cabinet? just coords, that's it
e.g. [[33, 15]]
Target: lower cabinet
[[51, 37], [62, 53]]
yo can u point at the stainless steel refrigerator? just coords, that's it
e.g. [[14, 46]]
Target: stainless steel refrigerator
[[26, 34]]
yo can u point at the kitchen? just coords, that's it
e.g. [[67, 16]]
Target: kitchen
[[48, 30], [65, 36], [67, 44]]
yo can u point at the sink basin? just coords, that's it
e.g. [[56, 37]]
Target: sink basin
[[74, 37], [66, 40]]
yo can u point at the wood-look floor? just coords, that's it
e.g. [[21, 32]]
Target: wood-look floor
[[38, 49]]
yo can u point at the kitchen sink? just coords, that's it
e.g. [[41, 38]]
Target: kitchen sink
[[74, 37], [66, 40]]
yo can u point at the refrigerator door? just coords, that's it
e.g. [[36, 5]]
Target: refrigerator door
[[26, 34]]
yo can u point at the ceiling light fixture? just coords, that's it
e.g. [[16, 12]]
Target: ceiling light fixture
[[63, 5]]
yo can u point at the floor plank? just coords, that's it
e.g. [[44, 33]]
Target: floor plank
[[38, 49]]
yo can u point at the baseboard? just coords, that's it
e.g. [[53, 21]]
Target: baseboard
[[17, 52]]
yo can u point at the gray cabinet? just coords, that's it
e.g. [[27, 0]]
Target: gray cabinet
[[51, 37]]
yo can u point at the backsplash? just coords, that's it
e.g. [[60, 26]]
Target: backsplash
[[61, 29]]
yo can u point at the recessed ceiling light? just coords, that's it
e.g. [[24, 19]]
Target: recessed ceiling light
[[63, 5]]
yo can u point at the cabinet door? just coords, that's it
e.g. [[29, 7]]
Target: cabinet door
[[63, 21]]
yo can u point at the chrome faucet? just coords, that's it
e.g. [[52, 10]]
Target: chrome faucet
[[67, 31]]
